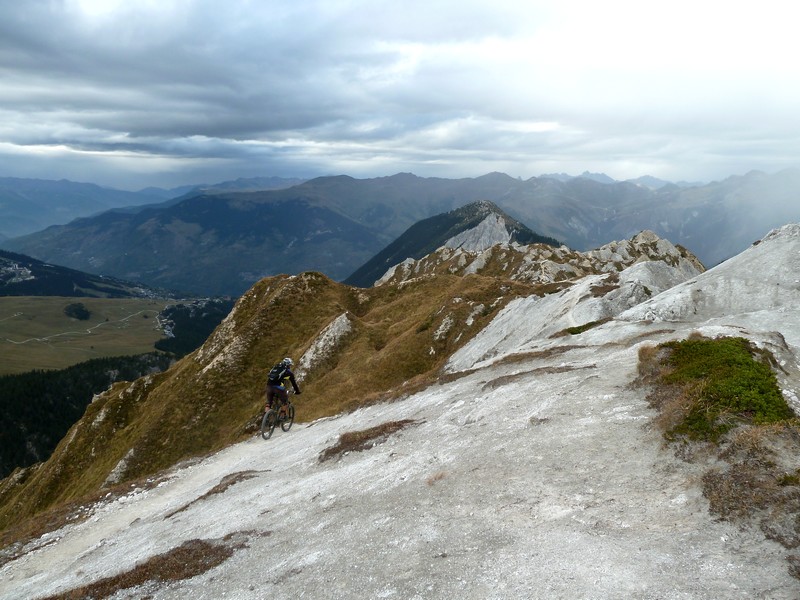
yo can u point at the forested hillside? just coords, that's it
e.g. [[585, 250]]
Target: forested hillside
[[40, 406]]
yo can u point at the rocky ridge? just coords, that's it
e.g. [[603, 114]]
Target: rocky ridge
[[542, 264], [473, 228]]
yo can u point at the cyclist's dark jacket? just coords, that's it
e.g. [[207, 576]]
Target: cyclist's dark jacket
[[286, 375]]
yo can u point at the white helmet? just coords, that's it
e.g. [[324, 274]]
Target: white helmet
[[288, 361]]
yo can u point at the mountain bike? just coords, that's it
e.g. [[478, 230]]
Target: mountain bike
[[283, 416]]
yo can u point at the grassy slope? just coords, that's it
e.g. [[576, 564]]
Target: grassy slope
[[36, 334], [187, 411]]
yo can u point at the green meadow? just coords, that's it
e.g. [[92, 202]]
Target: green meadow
[[36, 334]]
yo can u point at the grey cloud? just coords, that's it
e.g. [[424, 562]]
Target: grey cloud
[[373, 87]]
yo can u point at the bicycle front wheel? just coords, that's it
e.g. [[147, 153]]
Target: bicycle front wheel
[[268, 423], [286, 422]]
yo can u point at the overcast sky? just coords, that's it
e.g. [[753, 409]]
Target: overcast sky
[[131, 93]]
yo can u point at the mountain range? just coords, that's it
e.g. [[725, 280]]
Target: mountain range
[[490, 430], [222, 242], [29, 205], [215, 244]]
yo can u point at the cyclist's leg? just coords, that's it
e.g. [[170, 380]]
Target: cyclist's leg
[[283, 394], [272, 392]]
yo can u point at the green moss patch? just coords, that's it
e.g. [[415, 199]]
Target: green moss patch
[[580, 328], [733, 387]]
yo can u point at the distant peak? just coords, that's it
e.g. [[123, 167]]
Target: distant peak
[[492, 230], [481, 207]]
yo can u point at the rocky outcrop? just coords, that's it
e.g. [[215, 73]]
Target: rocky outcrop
[[543, 265], [471, 228], [492, 230]]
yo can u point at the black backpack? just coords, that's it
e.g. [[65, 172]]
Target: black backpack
[[277, 373]]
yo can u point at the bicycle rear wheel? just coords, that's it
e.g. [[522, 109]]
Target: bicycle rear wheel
[[286, 422], [268, 423]]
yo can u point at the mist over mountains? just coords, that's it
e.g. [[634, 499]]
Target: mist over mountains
[[29, 205], [221, 242]]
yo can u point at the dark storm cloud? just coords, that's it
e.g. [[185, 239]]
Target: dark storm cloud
[[162, 91]]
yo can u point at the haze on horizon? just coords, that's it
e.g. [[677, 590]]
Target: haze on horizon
[[171, 92]]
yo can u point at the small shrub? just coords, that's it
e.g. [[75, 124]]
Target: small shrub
[[77, 310], [789, 479], [586, 326]]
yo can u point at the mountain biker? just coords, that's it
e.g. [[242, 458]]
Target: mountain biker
[[277, 382]]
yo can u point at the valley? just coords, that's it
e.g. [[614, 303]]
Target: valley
[[36, 334]]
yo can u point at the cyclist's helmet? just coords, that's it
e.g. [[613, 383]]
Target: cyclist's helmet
[[288, 362]]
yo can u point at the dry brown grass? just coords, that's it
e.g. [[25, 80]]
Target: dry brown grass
[[794, 565], [535, 355], [753, 442], [652, 366], [190, 559], [609, 284], [739, 491], [225, 483], [400, 341], [674, 403], [438, 476], [761, 483], [507, 379], [355, 441]]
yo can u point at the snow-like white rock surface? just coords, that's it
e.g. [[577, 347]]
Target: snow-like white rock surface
[[325, 344], [471, 251], [528, 322], [533, 478], [760, 285], [405, 266], [492, 230]]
